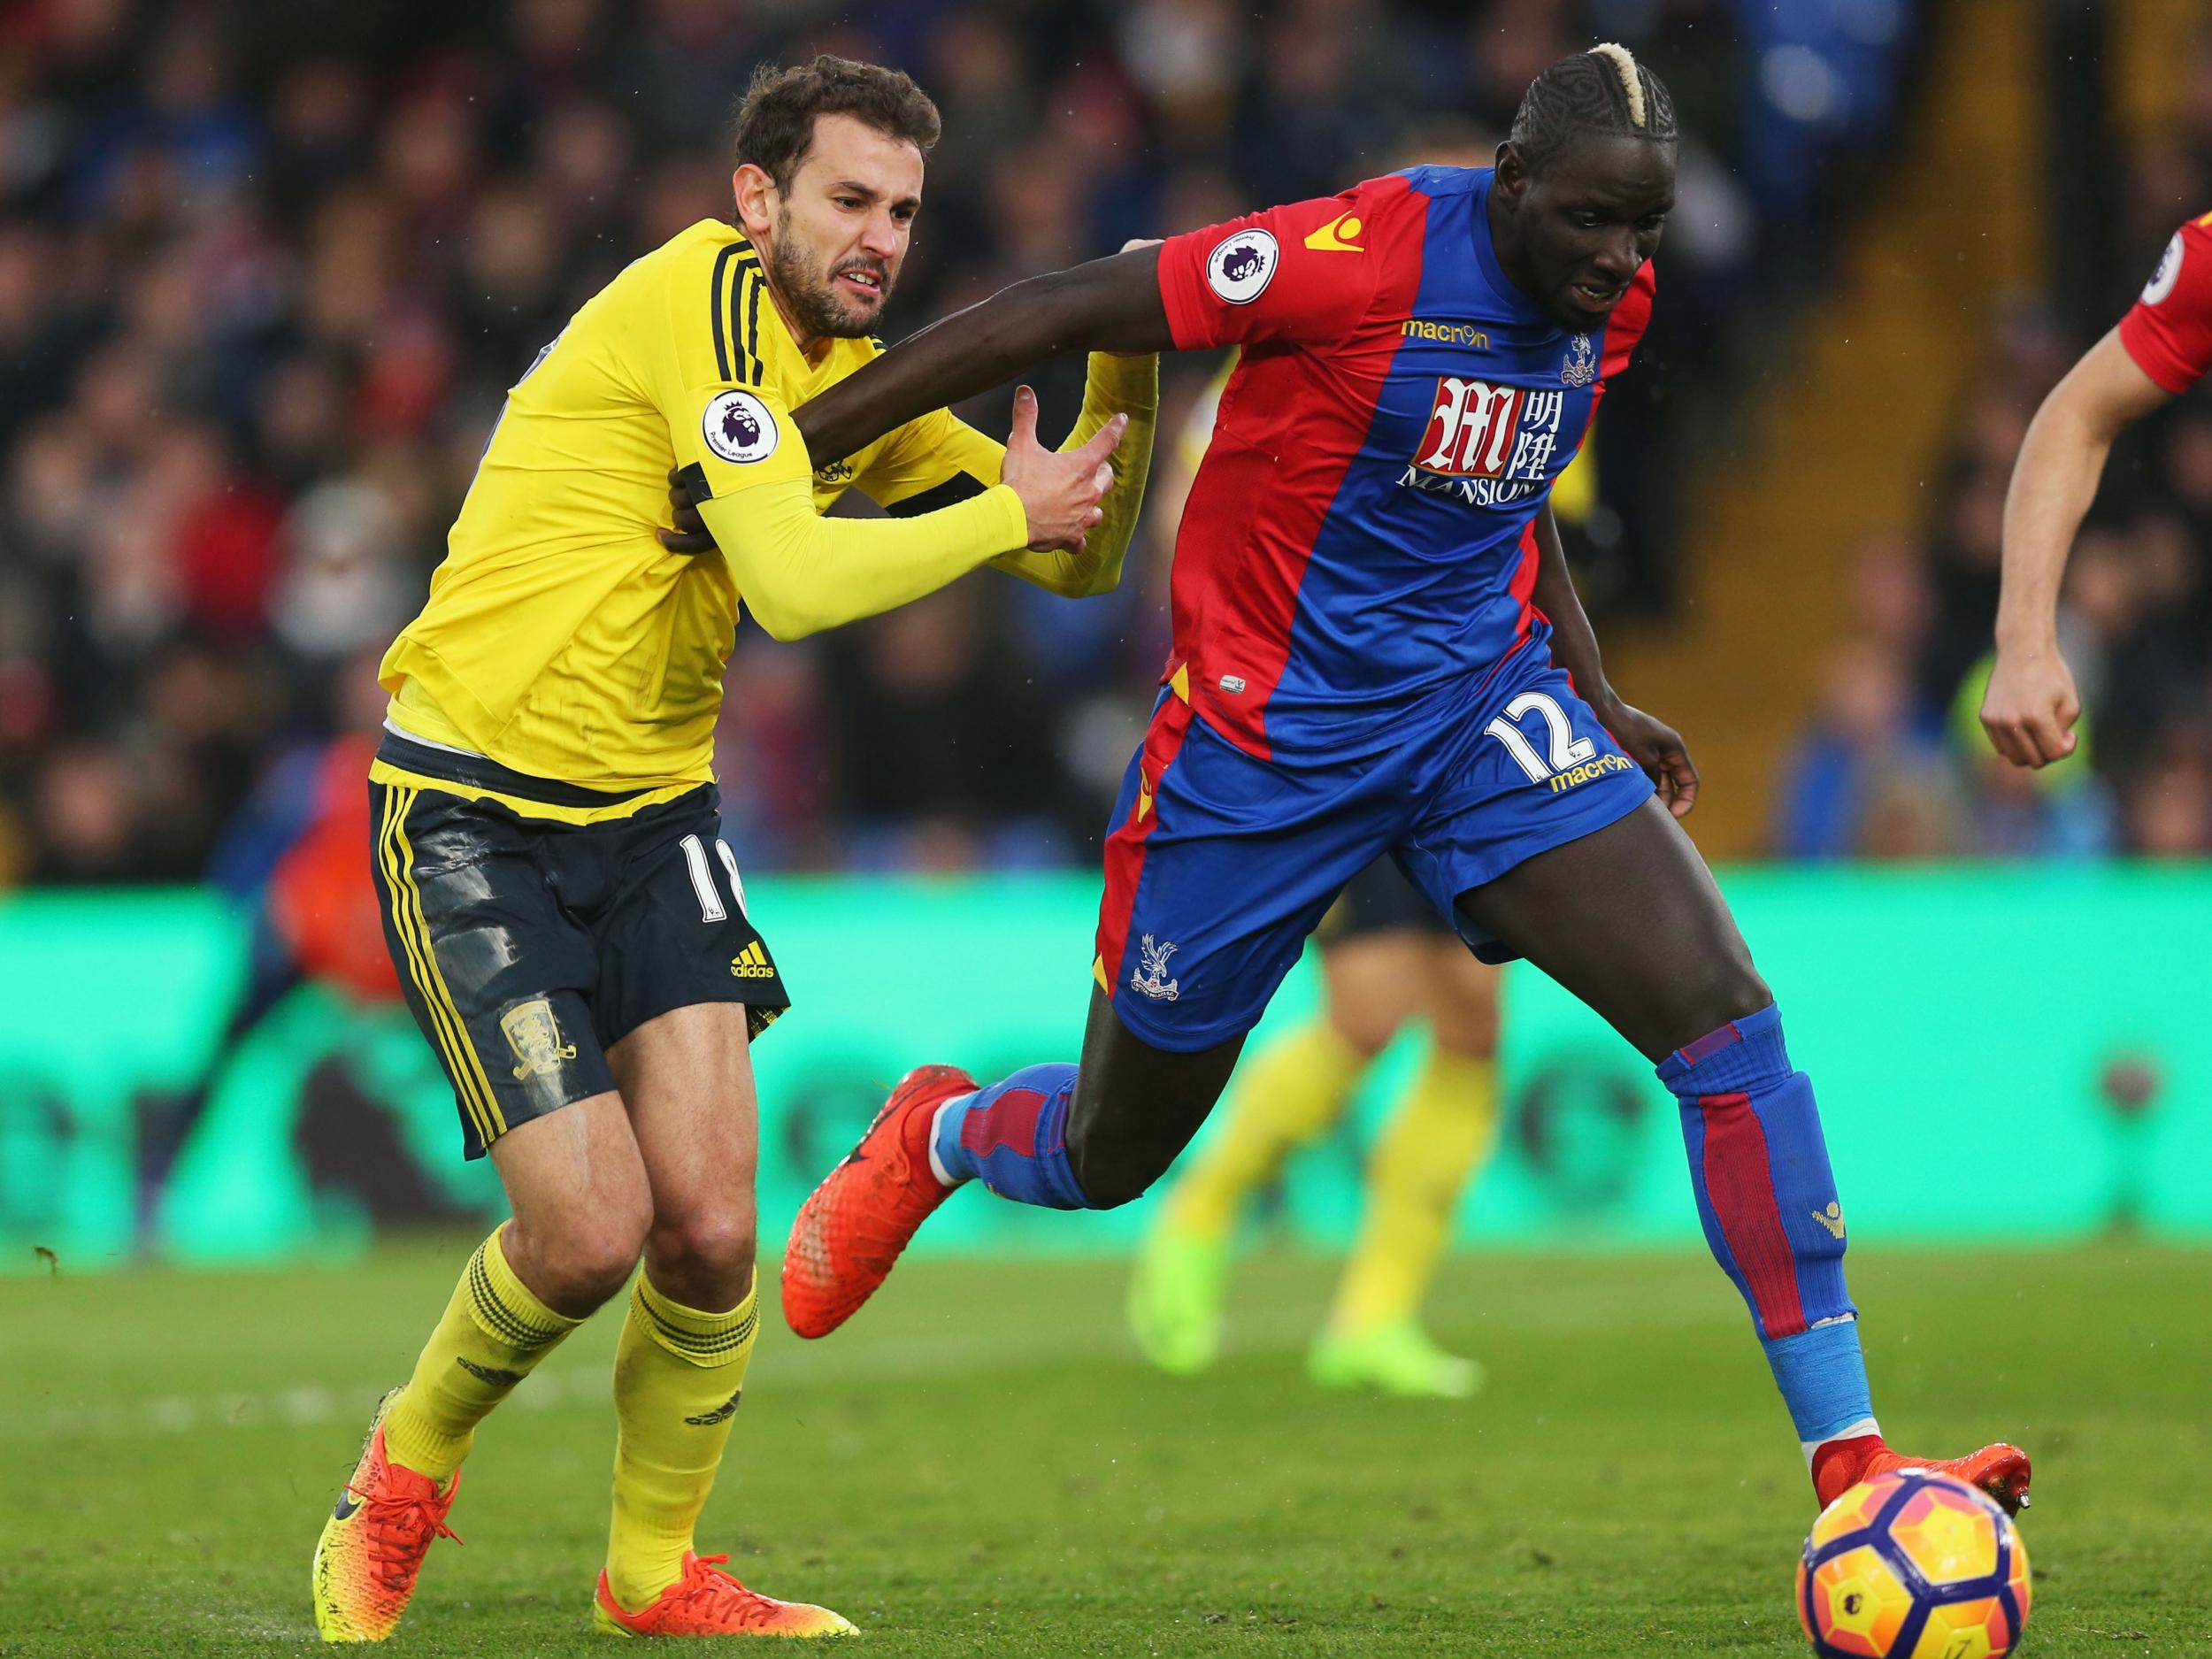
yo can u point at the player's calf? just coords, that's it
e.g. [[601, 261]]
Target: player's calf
[[1767, 1198], [1759, 1164]]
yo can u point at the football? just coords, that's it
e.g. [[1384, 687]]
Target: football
[[1913, 1565]]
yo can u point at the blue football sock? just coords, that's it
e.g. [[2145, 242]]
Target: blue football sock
[[1012, 1136], [1768, 1200]]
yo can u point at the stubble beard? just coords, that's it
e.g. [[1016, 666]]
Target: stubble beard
[[815, 306]]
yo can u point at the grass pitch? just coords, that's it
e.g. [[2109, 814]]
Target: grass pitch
[[980, 1463]]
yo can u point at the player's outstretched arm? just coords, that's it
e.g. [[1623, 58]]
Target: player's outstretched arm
[[1110, 304], [1652, 743], [1123, 395], [799, 574], [2031, 706]]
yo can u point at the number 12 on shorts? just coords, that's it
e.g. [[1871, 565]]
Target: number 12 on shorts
[[1567, 749]]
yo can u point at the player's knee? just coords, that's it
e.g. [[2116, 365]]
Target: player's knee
[[1366, 1026], [586, 1260], [1113, 1167], [1720, 988], [710, 1253]]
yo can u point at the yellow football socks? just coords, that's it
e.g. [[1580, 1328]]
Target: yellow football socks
[[1420, 1166], [493, 1334], [1284, 1097], [677, 1376]]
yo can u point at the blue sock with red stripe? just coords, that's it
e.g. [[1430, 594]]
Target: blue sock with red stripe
[[1013, 1137], [1767, 1200]]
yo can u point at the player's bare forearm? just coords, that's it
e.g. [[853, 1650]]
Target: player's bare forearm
[[2055, 481], [1574, 643], [1650, 743], [1110, 304]]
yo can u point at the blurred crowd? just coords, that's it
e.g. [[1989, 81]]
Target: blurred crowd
[[265, 271], [1896, 765]]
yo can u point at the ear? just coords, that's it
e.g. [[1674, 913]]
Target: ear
[[756, 198], [1512, 171]]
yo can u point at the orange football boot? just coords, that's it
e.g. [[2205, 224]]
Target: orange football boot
[[2001, 1470], [704, 1602], [850, 1231], [373, 1545]]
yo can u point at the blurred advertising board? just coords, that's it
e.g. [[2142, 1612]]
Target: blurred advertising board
[[2017, 1052]]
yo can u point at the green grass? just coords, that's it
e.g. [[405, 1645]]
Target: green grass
[[981, 1464]]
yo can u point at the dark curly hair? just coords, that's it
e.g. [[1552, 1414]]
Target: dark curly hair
[[1602, 90], [775, 118]]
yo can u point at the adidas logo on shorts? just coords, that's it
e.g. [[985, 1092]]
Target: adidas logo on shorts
[[751, 964]]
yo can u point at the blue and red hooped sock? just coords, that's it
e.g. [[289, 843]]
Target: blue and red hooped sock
[[1013, 1137], [1759, 1167]]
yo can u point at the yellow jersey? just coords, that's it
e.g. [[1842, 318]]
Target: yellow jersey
[[560, 639]]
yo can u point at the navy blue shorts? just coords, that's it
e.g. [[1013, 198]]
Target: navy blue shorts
[[1218, 864], [528, 948]]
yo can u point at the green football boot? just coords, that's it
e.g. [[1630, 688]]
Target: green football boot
[[1175, 1299], [1398, 1358]]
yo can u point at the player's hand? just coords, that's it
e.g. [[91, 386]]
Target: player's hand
[[2031, 706], [1060, 493], [691, 534], [1658, 749]]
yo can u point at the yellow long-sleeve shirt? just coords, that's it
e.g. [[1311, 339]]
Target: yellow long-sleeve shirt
[[563, 641]]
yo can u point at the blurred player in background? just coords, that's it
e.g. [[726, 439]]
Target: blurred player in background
[[1387, 959], [2157, 351], [1379, 648], [569, 926]]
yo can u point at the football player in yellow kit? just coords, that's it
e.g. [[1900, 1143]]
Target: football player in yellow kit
[[569, 926]]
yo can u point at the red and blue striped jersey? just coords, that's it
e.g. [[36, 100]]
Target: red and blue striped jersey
[[1361, 533]]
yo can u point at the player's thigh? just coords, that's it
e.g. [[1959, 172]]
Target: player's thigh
[[575, 1180], [1462, 997], [686, 1077], [1218, 867], [496, 972], [1629, 920]]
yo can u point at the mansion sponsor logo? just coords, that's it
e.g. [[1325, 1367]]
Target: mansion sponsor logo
[[1474, 492], [1479, 430], [1487, 445]]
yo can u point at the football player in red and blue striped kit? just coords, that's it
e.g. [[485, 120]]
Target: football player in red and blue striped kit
[[1378, 648]]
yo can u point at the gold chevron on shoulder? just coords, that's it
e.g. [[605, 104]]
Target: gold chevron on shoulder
[[1341, 234]]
